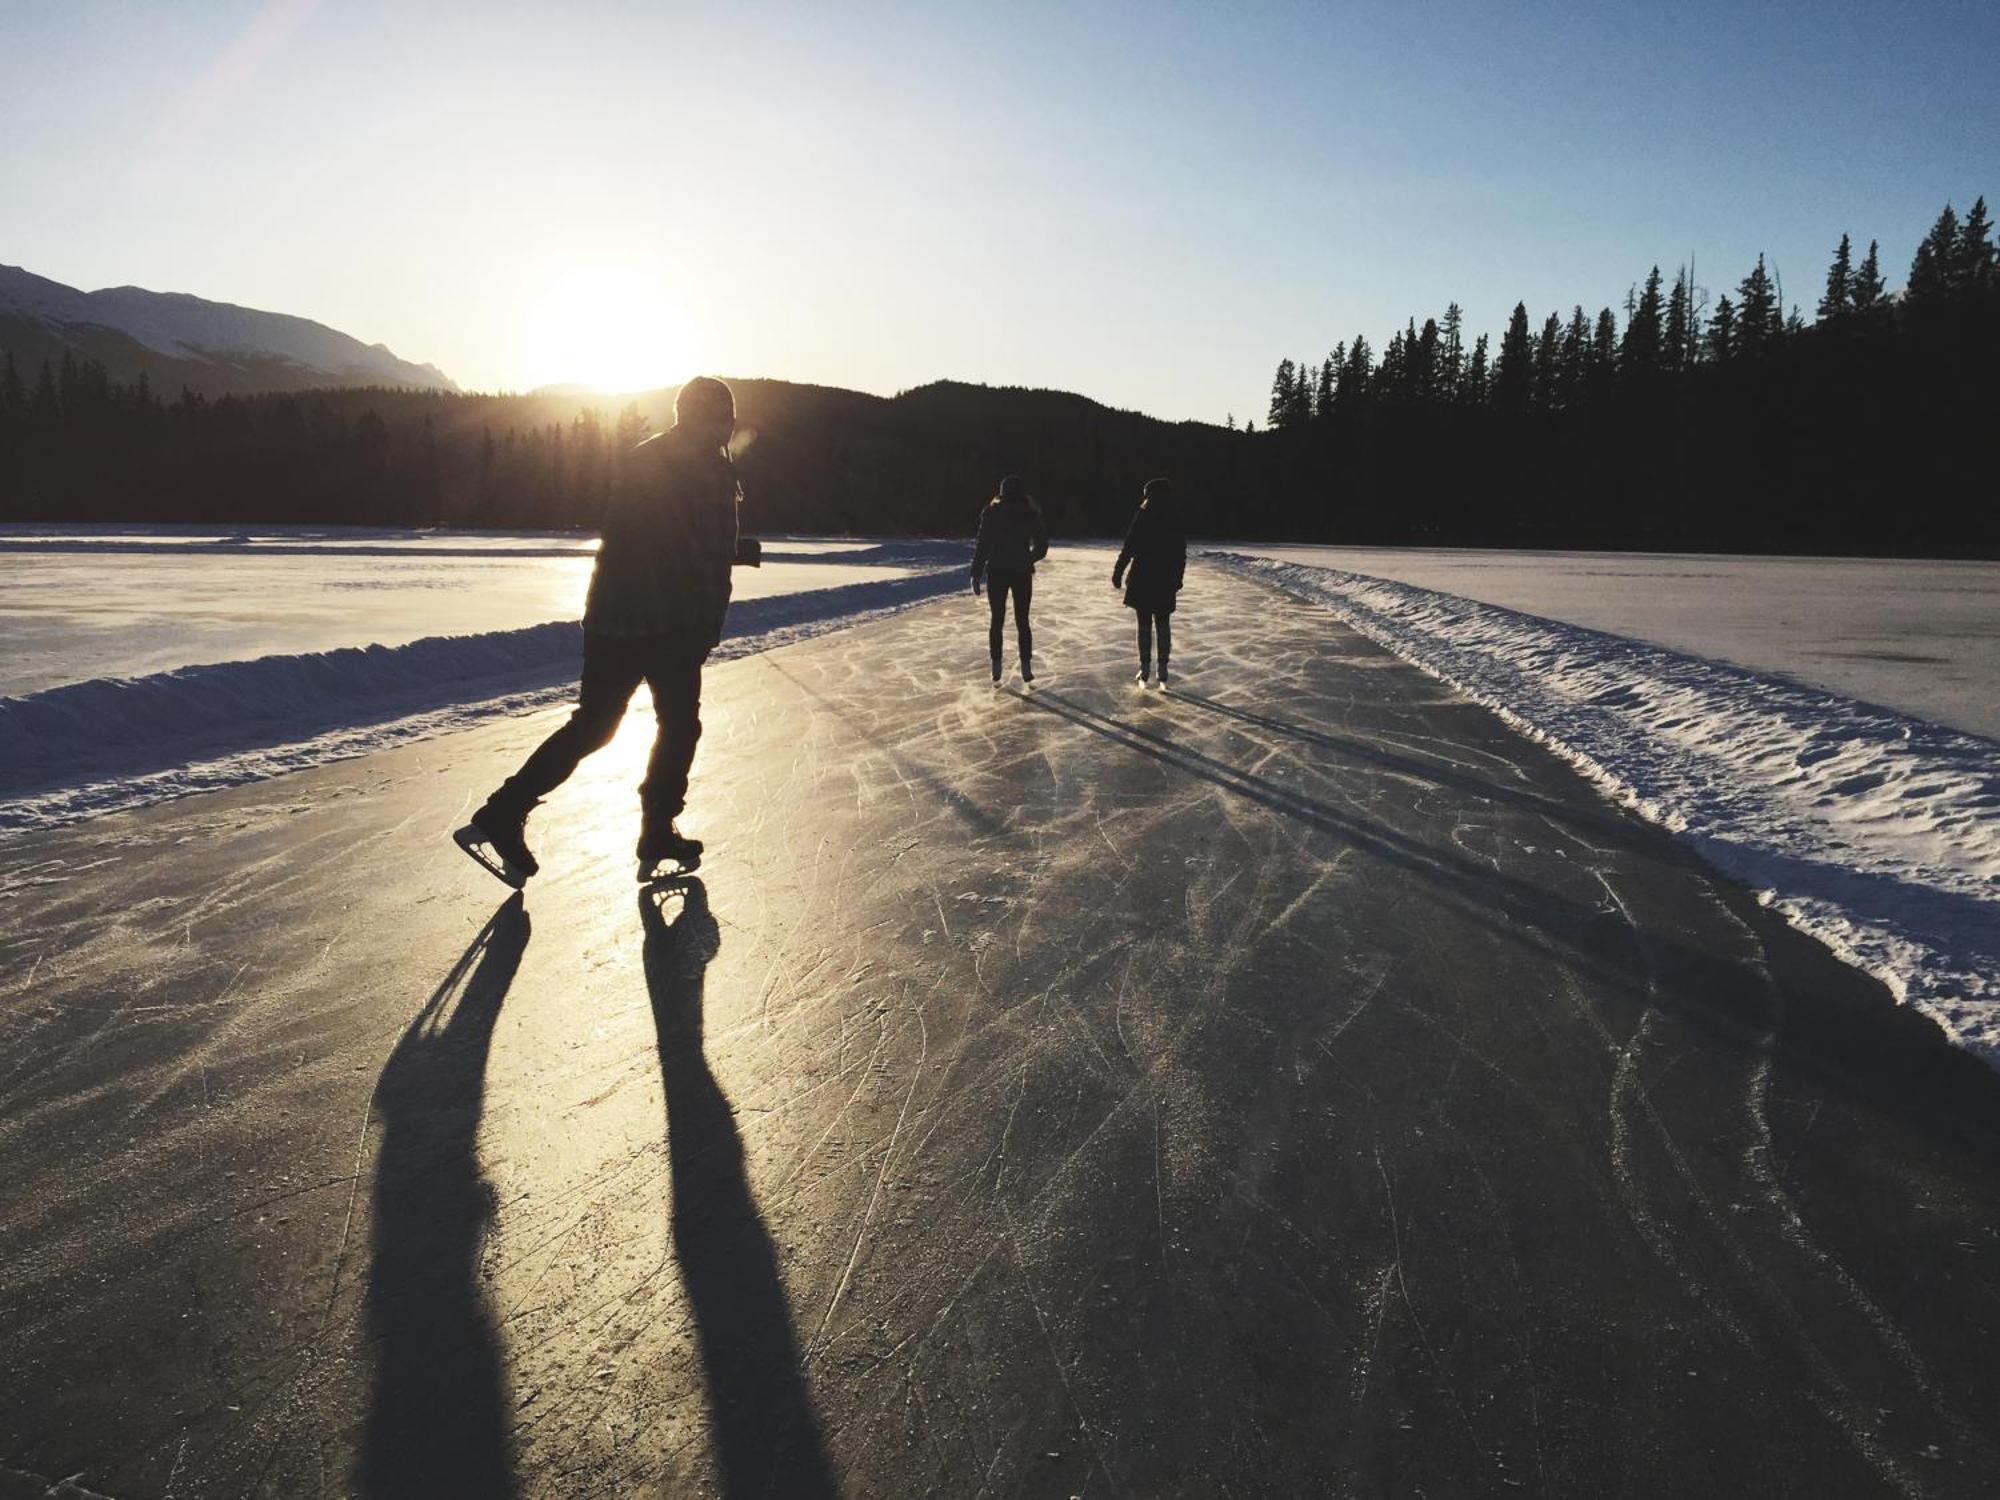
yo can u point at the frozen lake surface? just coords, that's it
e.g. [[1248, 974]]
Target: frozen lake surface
[[79, 605], [138, 664], [1919, 636]]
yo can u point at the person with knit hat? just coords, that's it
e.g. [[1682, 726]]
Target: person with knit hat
[[658, 594], [1013, 537], [1150, 569]]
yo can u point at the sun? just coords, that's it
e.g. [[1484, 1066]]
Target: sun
[[612, 329]]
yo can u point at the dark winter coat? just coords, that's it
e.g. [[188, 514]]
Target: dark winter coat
[[1154, 559], [1013, 537], [668, 543]]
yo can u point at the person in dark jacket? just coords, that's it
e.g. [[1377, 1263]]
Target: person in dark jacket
[[658, 594], [1150, 570], [1012, 539]]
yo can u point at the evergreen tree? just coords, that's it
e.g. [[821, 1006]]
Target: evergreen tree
[[1358, 379], [1933, 271], [1975, 262], [1451, 358], [1864, 293], [1677, 337], [1759, 323], [1639, 355], [1548, 351], [1574, 375], [1302, 396], [1424, 378], [1838, 298], [1284, 393], [1511, 375], [1722, 332], [1604, 349], [1474, 390], [1394, 370], [1329, 373]]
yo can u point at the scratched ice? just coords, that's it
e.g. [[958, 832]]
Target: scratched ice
[[1874, 831]]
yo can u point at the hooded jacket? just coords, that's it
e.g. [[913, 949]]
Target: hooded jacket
[[1154, 559], [1013, 537], [669, 540]]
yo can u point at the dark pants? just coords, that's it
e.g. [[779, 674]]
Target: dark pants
[[1022, 587], [1151, 624], [613, 668]]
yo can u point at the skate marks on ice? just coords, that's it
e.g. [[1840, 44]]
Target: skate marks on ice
[[1871, 830], [1298, 1086], [1390, 1075], [1620, 921]]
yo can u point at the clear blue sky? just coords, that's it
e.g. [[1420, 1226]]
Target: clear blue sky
[[1149, 204]]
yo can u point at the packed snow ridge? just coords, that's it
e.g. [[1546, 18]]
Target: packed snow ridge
[[1877, 833], [111, 744]]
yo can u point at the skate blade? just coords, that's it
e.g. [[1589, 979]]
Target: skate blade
[[666, 871], [475, 844]]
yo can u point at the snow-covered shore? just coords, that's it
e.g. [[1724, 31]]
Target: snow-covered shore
[[111, 744], [1875, 832]]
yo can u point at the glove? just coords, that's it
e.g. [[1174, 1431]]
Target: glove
[[977, 583], [1118, 578]]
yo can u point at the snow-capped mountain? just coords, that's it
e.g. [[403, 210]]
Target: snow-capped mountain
[[179, 340]]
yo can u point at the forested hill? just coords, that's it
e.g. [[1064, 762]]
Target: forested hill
[[1730, 426], [76, 446]]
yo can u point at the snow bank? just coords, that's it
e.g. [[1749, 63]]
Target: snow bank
[[107, 745], [1877, 833]]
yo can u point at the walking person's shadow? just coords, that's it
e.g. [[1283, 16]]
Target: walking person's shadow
[[767, 1438], [439, 1422]]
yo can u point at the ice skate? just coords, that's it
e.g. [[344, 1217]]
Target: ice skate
[[494, 841], [667, 846], [1163, 677]]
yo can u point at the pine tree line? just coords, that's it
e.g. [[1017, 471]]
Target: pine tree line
[[77, 445], [1731, 427], [1736, 426]]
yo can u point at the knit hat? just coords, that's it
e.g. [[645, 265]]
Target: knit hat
[[1158, 489], [704, 399], [1013, 487]]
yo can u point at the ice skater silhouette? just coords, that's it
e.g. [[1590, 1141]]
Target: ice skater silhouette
[[1150, 569], [658, 595], [1013, 537]]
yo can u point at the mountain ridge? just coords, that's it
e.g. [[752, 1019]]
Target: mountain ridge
[[181, 340]]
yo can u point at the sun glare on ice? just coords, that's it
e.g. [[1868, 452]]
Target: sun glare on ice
[[615, 330]]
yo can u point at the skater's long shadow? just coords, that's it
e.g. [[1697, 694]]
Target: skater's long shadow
[[439, 1422], [767, 1436]]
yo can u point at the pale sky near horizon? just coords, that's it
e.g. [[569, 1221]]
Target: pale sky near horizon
[[1147, 204]]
